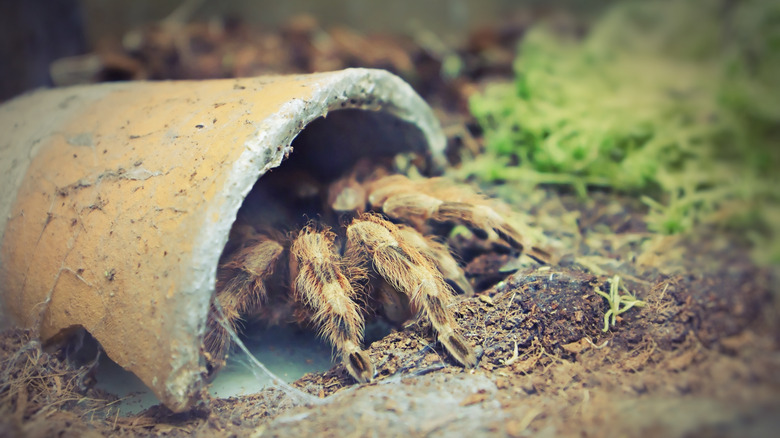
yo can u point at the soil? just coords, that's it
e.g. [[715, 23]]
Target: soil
[[700, 358]]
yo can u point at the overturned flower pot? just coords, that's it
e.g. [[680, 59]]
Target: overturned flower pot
[[117, 199]]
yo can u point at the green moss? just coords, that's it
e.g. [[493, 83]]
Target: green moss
[[678, 102]]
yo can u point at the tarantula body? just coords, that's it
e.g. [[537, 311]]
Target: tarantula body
[[321, 285], [381, 260], [379, 243]]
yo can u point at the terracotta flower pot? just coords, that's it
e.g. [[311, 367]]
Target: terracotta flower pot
[[117, 199]]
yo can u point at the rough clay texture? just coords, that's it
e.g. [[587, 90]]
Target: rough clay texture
[[117, 201]]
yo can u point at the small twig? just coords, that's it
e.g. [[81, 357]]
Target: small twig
[[509, 304], [597, 347], [663, 292]]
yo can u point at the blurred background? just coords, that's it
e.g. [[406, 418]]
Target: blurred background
[[453, 18], [674, 103], [125, 35]]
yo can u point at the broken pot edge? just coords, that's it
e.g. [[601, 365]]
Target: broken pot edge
[[181, 304]]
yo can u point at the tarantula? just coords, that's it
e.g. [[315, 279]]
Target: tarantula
[[380, 260]]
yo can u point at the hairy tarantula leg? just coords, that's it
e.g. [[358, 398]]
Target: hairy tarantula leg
[[348, 195], [440, 256], [395, 305], [487, 211], [383, 188], [320, 284], [378, 241], [240, 289], [437, 200], [418, 208], [484, 217]]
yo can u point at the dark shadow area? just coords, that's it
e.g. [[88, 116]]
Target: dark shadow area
[[330, 145], [33, 33], [293, 193]]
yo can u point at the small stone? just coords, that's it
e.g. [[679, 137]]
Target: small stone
[[487, 300]]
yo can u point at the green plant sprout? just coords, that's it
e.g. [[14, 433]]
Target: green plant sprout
[[618, 304]]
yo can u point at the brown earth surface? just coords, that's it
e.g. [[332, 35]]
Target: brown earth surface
[[700, 358]]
